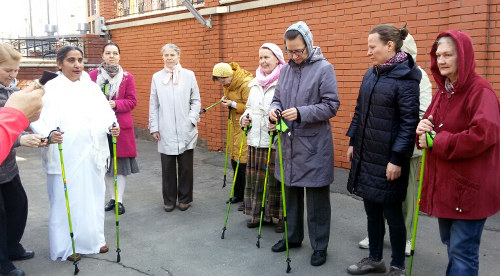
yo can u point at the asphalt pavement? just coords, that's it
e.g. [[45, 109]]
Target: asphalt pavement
[[154, 242]]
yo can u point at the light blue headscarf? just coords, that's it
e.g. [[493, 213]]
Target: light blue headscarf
[[303, 29]]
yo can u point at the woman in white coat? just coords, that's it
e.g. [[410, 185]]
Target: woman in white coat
[[261, 94], [75, 104], [174, 108]]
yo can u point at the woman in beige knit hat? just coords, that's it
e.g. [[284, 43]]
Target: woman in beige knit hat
[[234, 81]]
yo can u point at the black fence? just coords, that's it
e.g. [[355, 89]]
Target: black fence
[[128, 7], [43, 47]]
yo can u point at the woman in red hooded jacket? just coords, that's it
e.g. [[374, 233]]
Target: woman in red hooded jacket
[[461, 133]]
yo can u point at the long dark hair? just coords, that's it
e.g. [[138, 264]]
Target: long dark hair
[[63, 52], [388, 32], [110, 43]]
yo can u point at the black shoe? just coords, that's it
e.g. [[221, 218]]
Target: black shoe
[[281, 245], [110, 205], [14, 272], [241, 207], [25, 256], [234, 200], [318, 257], [121, 209]]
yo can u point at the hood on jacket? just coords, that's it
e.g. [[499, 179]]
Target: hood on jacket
[[316, 55], [240, 77], [407, 69], [304, 30], [410, 46], [466, 64]]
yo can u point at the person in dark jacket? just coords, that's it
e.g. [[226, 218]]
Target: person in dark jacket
[[461, 184], [381, 144], [306, 95], [13, 199]]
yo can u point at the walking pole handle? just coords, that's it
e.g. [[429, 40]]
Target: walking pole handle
[[249, 126]]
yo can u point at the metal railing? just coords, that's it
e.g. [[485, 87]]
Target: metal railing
[[44, 47], [129, 7]]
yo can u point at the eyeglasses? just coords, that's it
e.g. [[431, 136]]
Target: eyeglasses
[[296, 52]]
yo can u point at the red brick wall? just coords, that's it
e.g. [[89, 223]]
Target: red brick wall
[[93, 48], [106, 9], [340, 28], [31, 73]]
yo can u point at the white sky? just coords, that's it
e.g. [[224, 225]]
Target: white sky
[[14, 21]]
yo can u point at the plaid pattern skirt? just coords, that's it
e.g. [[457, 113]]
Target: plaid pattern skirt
[[254, 188]]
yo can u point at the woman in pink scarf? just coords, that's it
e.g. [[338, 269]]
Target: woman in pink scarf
[[174, 107], [262, 91]]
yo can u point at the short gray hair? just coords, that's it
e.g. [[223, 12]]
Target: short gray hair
[[446, 39], [171, 46]]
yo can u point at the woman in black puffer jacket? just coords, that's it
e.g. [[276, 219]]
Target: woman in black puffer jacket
[[382, 134]]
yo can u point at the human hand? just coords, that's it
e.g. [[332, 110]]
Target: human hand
[[290, 114], [272, 115], [44, 142], [245, 121], [226, 102], [32, 86], [156, 136], [31, 140], [350, 153], [422, 140], [425, 125], [271, 127], [115, 130], [112, 104], [392, 172], [29, 102], [56, 137]]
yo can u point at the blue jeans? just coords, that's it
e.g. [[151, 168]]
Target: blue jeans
[[393, 212], [462, 238]]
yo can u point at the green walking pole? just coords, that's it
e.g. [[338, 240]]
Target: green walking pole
[[245, 129], [75, 262], [207, 108], [118, 250], [282, 127], [227, 146], [417, 208], [265, 185]]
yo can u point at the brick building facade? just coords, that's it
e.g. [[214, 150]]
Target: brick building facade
[[340, 28]]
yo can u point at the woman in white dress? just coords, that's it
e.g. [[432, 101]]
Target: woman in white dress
[[75, 104]]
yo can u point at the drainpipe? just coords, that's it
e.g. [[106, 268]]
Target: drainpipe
[[488, 38]]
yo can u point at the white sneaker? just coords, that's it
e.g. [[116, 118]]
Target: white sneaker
[[408, 248], [364, 244]]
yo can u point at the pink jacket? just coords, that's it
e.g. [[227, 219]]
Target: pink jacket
[[126, 102]]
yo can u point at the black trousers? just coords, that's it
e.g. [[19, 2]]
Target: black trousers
[[13, 215], [319, 215], [393, 212], [177, 169], [239, 185]]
